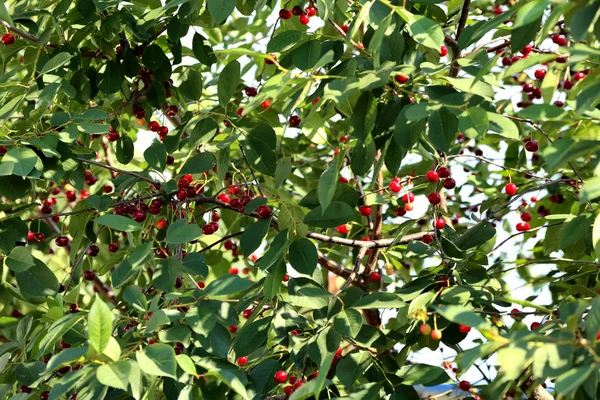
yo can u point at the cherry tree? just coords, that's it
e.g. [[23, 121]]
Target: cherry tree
[[261, 199]]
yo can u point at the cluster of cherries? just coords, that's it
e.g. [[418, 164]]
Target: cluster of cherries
[[186, 189], [242, 199], [303, 15]]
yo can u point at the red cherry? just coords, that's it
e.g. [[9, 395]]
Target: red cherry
[[401, 79], [559, 104], [443, 51], [365, 211], [464, 328], [464, 385], [62, 241], [297, 10], [539, 74], [304, 19], [30, 236], [93, 250], [439, 223], [73, 308], [534, 325], [288, 390], [4, 150], [532, 146], [280, 377], [295, 120], [344, 139], [153, 126], [162, 252], [523, 226], [432, 176], [443, 172], [526, 217], [345, 28], [506, 61], [247, 313], [232, 328], [113, 247], [40, 237], [395, 186], [251, 91], [139, 216], [527, 88], [343, 229], [161, 223], [234, 270], [163, 131], [449, 183], [427, 239], [224, 197], [113, 136], [375, 276], [242, 361], [311, 11], [498, 10], [436, 334], [527, 49], [408, 197], [578, 76], [400, 212], [285, 14], [8, 39], [266, 104], [510, 189], [271, 59], [240, 111], [264, 211], [434, 198], [567, 84], [89, 275]]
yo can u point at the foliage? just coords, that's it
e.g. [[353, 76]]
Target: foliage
[[199, 194]]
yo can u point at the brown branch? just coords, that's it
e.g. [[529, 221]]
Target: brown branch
[[119, 170], [333, 267], [357, 263], [538, 393], [462, 21]]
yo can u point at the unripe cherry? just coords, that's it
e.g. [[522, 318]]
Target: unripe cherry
[[436, 334], [425, 329]]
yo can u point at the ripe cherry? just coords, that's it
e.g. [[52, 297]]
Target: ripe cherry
[[271, 59], [8, 39], [224, 197], [464, 328], [567, 84], [539, 74], [532, 146], [234, 270], [526, 217], [345, 28], [295, 120], [139, 216], [443, 172], [559, 39], [464, 385], [534, 325], [285, 14], [408, 197], [93, 250], [432, 176], [232, 328], [439, 223], [73, 308], [153, 126], [343, 229], [497, 10], [510, 189], [344, 139], [247, 313], [427, 239], [365, 211], [523, 226], [264, 211], [527, 49], [266, 104], [161, 223], [443, 51], [449, 183], [559, 104], [401, 79], [62, 241], [425, 329], [4, 150], [436, 334], [89, 275], [506, 61], [280, 377], [113, 247], [434, 198], [395, 186], [578, 76], [311, 11], [304, 19], [400, 212], [375, 276], [242, 361], [113, 136], [251, 91], [297, 11]]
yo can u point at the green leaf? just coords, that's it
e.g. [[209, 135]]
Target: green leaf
[[462, 315], [574, 230], [303, 256], [66, 356], [442, 129], [198, 164], [528, 62], [470, 85], [473, 122], [348, 322], [475, 236], [158, 360], [194, 263], [134, 295], [112, 78], [231, 376], [588, 98], [100, 203], [166, 273], [566, 149], [307, 293], [191, 85], [254, 235], [252, 337], [156, 156], [28, 373], [502, 126], [228, 82], [202, 50], [186, 364], [254, 204], [55, 62], [57, 330], [181, 232], [273, 280], [568, 383], [283, 41], [596, 235], [119, 223], [543, 112], [227, 285], [276, 250], [328, 182], [220, 9], [530, 13], [19, 259], [423, 374], [591, 189], [583, 21], [379, 300], [99, 325], [37, 281], [260, 147], [115, 375], [336, 214], [155, 59], [307, 54], [519, 37], [124, 149], [18, 161], [352, 367], [423, 30]]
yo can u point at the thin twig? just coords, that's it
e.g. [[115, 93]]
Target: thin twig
[[119, 170], [522, 233]]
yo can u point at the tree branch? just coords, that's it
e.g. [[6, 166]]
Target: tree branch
[[119, 170], [464, 14]]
